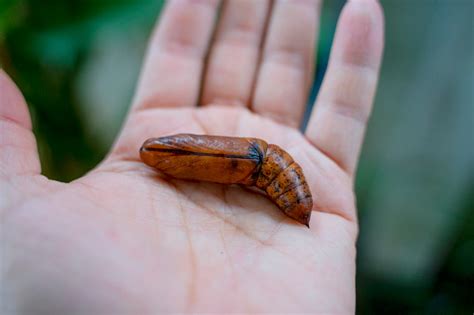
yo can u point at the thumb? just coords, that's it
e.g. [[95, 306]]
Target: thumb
[[18, 151]]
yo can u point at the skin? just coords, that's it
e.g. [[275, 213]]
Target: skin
[[121, 239]]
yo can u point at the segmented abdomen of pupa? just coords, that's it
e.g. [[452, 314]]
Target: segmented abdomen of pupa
[[283, 180]]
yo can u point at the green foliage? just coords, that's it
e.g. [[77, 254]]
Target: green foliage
[[45, 45]]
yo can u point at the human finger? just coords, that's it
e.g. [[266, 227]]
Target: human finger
[[287, 66], [235, 52], [343, 106], [172, 70], [18, 150]]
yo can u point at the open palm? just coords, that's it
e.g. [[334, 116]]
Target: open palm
[[123, 238]]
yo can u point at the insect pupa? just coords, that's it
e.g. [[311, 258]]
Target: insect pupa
[[234, 160]]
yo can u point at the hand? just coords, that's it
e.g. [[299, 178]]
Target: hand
[[121, 239]]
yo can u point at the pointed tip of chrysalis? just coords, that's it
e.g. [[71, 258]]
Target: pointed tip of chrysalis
[[307, 219], [304, 219]]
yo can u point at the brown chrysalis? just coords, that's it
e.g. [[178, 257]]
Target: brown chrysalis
[[232, 160]]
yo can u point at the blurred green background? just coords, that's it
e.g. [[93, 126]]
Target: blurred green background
[[77, 64]]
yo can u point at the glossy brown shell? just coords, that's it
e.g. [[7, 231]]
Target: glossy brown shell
[[233, 160]]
